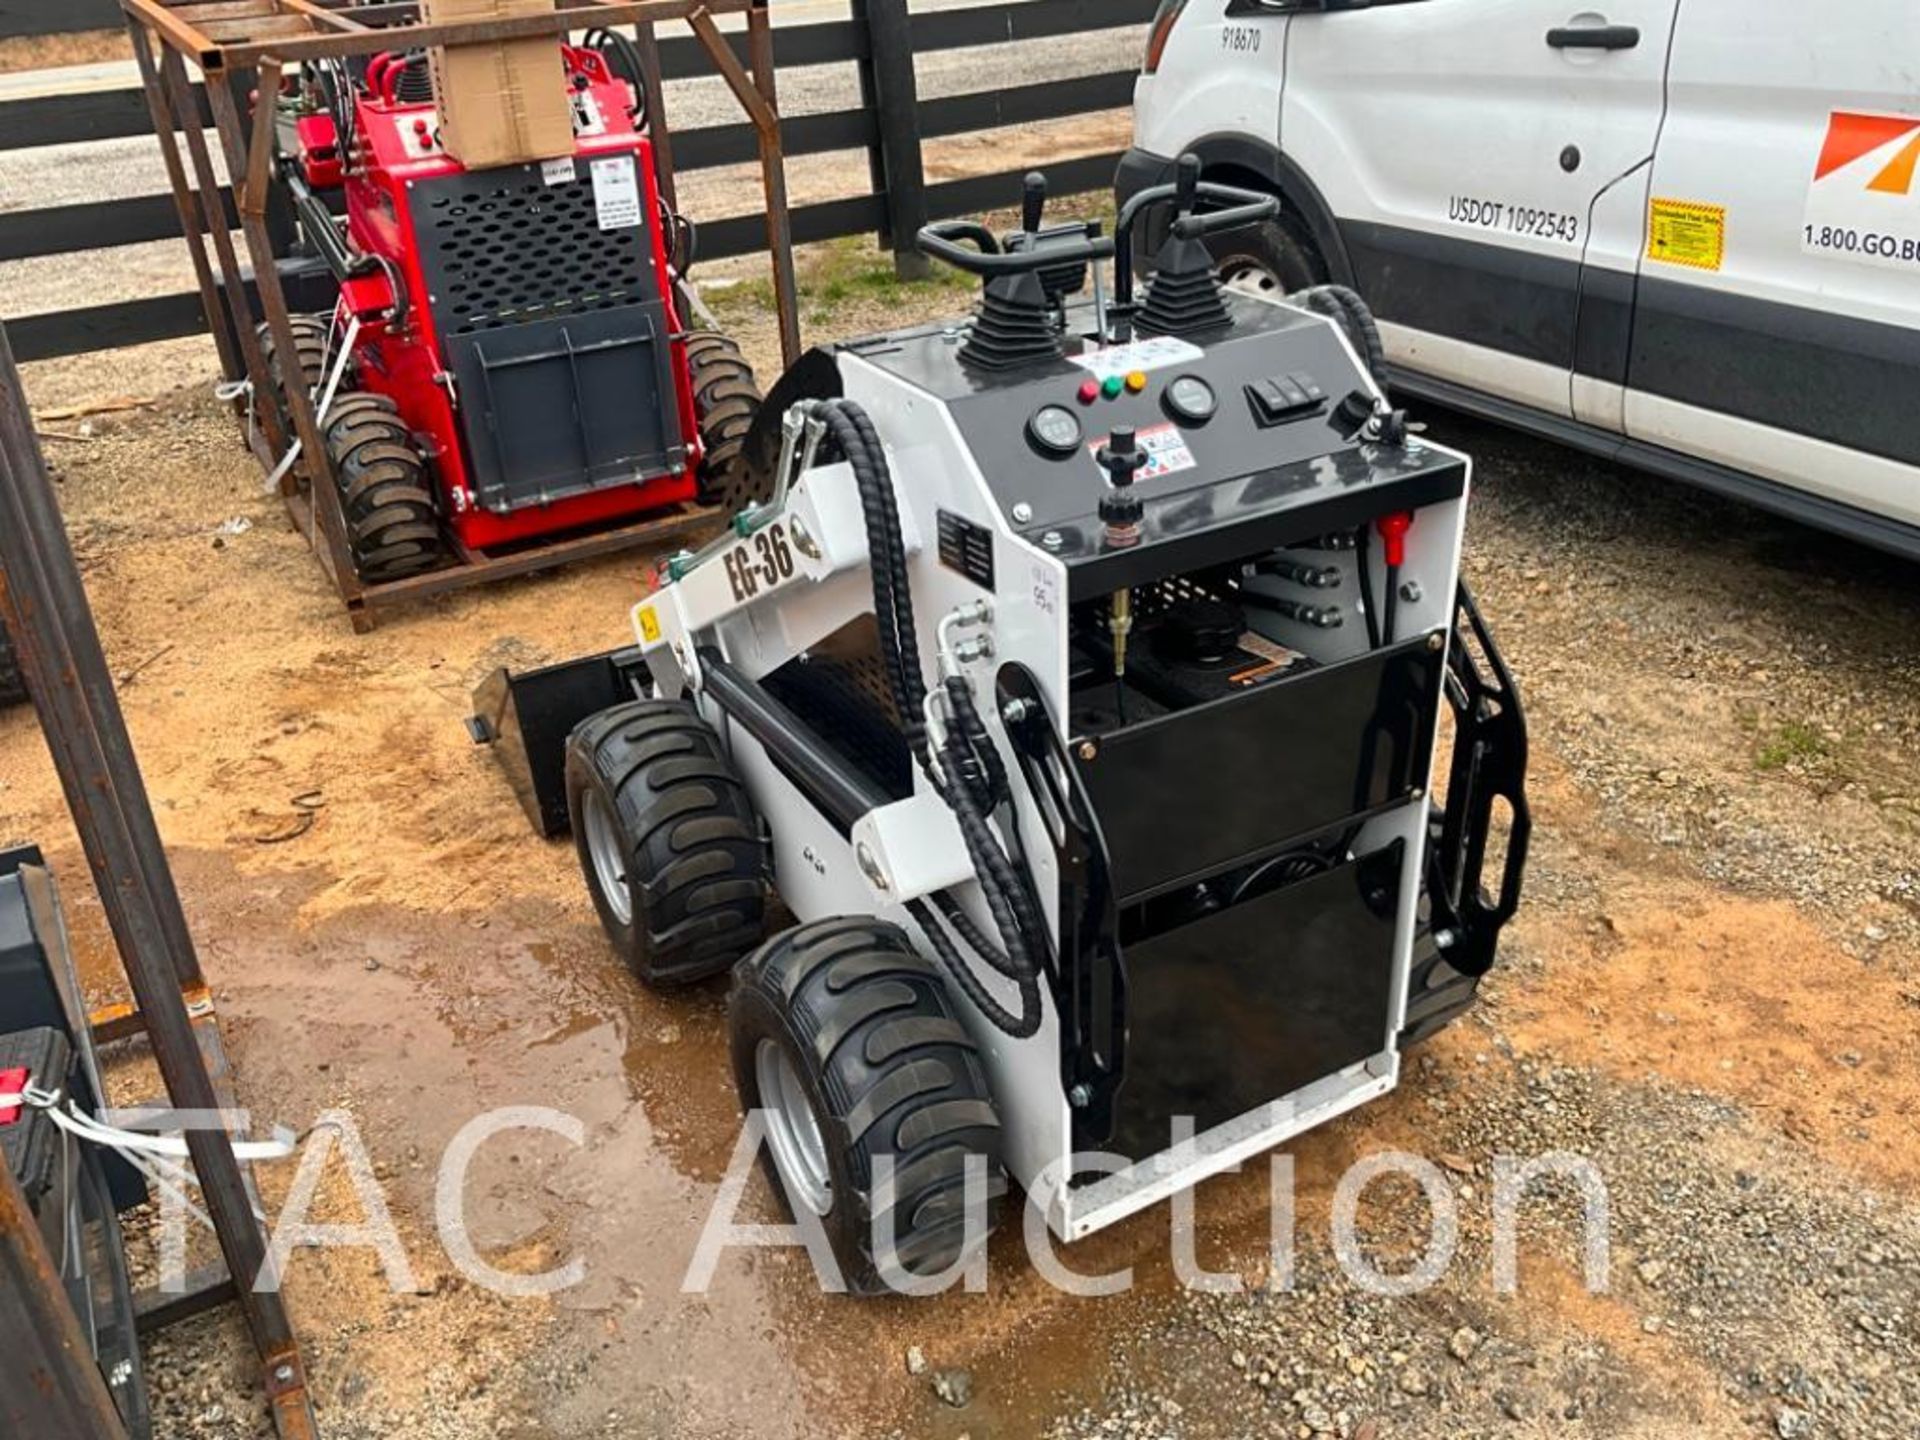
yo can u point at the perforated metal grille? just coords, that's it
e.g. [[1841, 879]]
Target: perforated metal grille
[[841, 690], [1161, 595], [501, 247]]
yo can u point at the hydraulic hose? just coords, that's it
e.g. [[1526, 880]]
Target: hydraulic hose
[[612, 44], [1008, 901], [1350, 312], [1363, 548]]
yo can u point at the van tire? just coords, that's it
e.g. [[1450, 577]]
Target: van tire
[[1274, 258]]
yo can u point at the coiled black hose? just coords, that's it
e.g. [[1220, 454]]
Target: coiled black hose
[[623, 58], [1342, 305], [1008, 900]]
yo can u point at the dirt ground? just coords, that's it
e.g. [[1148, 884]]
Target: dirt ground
[[1712, 991]]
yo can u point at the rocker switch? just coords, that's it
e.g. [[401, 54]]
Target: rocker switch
[[1281, 398]]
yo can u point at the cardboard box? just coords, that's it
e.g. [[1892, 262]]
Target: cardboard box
[[504, 102]]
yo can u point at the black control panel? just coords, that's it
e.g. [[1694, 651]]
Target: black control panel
[[1237, 426]]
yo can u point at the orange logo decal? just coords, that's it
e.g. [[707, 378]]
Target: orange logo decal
[[1851, 136]]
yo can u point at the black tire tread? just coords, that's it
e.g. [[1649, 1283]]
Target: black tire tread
[[392, 528], [726, 399], [696, 864], [13, 684], [311, 334], [899, 1075]]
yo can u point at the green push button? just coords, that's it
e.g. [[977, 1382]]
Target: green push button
[[1113, 385]]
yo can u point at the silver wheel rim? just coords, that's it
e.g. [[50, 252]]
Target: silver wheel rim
[[793, 1131], [607, 850], [1250, 277]]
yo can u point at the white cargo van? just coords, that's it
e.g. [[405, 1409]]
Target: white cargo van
[[1682, 233]]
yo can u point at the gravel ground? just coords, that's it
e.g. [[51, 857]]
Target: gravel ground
[[1712, 992], [1766, 1242]]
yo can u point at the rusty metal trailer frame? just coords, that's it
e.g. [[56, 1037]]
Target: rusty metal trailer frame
[[43, 605], [224, 40]]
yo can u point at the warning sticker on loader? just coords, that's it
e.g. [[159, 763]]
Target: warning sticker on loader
[[1156, 353], [648, 620], [1863, 203], [616, 192], [1681, 232], [1166, 448]]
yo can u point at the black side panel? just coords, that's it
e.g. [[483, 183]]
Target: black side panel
[[556, 333], [1238, 1009], [1604, 337], [1796, 368], [1833, 377], [1506, 300], [560, 407], [1190, 793], [1801, 506]]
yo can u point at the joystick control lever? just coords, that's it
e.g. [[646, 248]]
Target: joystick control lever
[[1033, 202]]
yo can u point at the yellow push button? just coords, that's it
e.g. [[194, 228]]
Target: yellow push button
[[1137, 381]]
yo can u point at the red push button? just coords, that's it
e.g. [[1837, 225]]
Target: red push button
[[1089, 392], [12, 1082]]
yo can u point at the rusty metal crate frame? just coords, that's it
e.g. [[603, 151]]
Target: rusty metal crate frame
[[224, 39], [46, 1370]]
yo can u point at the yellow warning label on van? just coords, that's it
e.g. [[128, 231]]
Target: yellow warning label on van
[[649, 624], [1683, 233]]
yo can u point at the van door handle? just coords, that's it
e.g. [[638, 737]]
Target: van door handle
[[1594, 37]]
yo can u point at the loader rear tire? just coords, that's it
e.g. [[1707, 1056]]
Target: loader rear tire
[[844, 1039], [13, 685], [668, 840], [726, 398], [312, 335], [385, 492]]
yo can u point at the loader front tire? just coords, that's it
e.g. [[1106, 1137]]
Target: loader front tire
[[668, 840], [844, 1040], [386, 494]]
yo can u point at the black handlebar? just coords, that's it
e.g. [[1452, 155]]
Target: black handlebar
[[949, 240], [1244, 207], [941, 240]]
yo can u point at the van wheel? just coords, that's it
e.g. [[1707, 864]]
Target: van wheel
[[1272, 259], [844, 1039]]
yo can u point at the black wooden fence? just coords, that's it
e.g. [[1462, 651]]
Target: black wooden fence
[[879, 36]]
